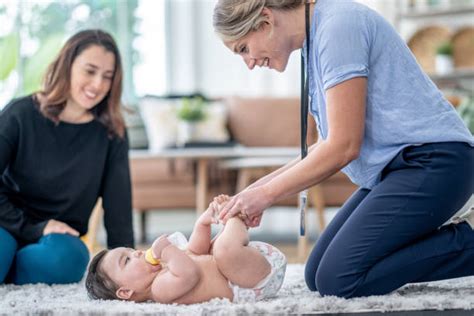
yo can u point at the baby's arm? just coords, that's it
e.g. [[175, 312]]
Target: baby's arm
[[200, 240], [182, 276]]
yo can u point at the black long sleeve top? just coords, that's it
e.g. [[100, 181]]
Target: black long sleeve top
[[58, 171]]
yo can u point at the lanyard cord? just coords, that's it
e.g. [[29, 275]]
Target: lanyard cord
[[304, 114], [304, 87]]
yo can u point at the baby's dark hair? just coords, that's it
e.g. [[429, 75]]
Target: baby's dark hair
[[98, 284]]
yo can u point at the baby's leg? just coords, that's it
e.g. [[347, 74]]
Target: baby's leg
[[242, 265]]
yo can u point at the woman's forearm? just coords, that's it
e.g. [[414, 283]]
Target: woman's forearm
[[322, 162], [264, 180], [270, 176], [346, 120]]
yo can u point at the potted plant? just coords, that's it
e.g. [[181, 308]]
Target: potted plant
[[444, 58], [189, 113], [466, 111]]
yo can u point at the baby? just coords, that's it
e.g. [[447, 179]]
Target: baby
[[226, 267]]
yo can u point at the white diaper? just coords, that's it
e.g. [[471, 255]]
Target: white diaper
[[269, 286]]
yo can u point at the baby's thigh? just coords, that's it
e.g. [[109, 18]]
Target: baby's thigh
[[223, 248], [245, 268]]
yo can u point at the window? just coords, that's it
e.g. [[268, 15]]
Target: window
[[32, 32]]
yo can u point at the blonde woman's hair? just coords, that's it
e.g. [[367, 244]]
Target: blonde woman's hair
[[233, 19]]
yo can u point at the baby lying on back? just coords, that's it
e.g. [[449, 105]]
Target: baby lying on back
[[227, 267]]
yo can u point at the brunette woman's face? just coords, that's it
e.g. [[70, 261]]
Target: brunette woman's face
[[92, 73], [263, 48]]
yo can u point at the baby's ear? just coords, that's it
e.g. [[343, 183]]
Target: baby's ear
[[124, 294]]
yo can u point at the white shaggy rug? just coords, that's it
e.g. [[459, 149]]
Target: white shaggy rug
[[293, 298]]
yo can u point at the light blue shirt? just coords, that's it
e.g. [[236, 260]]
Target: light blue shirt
[[403, 106]]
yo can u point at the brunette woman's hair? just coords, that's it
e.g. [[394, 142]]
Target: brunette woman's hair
[[57, 82]]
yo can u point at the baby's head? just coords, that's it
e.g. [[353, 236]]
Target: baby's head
[[120, 273], [98, 284]]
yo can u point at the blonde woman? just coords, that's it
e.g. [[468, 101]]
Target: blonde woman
[[381, 121], [61, 149]]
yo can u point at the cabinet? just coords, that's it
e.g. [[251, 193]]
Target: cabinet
[[412, 16]]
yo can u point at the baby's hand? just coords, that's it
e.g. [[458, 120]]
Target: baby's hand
[[159, 244]]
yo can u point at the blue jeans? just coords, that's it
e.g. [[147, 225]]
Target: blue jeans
[[389, 236], [54, 259]]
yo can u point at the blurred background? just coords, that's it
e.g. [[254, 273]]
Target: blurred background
[[174, 64], [169, 46]]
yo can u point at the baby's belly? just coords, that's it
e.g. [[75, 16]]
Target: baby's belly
[[212, 284]]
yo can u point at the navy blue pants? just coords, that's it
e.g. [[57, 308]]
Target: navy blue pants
[[54, 259], [390, 235]]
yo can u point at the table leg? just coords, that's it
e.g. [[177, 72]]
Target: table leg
[[243, 179], [316, 196], [90, 239], [201, 186], [302, 248], [143, 217]]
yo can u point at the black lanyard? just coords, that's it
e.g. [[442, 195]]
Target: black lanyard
[[304, 112], [305, 87]]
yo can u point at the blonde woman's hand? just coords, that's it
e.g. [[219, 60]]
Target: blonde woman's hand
[[250, 203], [57, 227]]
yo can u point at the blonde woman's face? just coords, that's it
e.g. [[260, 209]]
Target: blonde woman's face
[[262, 48]]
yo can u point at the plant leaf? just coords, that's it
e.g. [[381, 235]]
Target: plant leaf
[[35, 66], [8, 55]]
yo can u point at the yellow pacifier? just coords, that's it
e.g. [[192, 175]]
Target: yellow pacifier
[[150, 259]]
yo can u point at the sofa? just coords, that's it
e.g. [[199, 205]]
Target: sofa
[[170, 184]]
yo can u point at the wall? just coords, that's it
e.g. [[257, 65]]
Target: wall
[[198, 61]]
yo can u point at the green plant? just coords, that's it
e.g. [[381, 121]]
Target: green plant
[[191, 110], [466, 111], [8, 54], [445, 48]]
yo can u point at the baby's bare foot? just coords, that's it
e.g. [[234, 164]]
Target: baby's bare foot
[[222, 198]]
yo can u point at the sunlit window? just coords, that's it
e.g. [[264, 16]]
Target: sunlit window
[[150, 70], [32, 32]]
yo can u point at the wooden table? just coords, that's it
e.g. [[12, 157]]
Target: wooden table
[[202, 155], [232, 157]]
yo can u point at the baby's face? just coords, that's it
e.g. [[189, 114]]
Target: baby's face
[[127, 268]]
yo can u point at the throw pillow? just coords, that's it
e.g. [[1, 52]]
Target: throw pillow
[[159, 117]]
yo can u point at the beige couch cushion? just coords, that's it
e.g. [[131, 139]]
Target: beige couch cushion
[[267, 122]]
